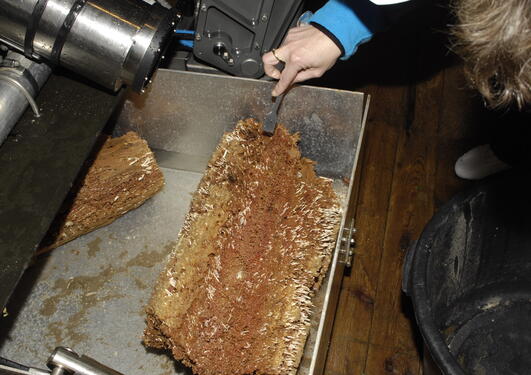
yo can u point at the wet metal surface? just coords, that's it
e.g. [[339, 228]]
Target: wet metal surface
[[188, 112], [90, 293], [184, 115]]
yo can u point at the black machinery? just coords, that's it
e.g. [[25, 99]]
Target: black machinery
[[116, 42], [122, 42]]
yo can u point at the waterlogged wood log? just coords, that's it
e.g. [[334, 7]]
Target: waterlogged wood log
[[235, 297], [123, 175]]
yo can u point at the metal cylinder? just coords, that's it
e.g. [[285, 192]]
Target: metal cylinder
[[68, 361], [17, 74], [111, 42]]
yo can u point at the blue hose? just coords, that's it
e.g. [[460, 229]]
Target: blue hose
[[185, 38]]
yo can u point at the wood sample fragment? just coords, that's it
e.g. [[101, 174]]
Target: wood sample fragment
[[235, 297], [123, 175]]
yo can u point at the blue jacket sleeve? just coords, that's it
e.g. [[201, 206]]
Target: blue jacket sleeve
[[348, 23]]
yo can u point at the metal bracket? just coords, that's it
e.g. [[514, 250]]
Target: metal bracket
[[346, 249]]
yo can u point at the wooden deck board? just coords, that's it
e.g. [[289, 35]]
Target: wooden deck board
[[356, 301], [418, 125]]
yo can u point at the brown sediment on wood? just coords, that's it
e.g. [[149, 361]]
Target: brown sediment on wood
[[235, 297]]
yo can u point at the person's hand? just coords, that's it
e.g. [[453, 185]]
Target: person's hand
[[307, 53]]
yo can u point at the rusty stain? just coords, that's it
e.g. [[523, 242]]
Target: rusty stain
[[86, 288], [170, 246], [94, 247], [86, 292], [139, 284], [147, 259]]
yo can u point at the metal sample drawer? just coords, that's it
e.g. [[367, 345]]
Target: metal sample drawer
[[90, 294]]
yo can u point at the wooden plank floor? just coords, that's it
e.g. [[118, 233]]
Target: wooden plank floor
[[422, 118]]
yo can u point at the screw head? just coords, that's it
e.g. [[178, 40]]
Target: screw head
[[264, 18], [197, 36]]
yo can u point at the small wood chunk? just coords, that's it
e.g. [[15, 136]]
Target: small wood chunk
[[235, 297], [123, 175]]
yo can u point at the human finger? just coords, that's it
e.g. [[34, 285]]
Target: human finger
[[272, 71], [269, 58], [268, 61], [272, 62], [286, 79]]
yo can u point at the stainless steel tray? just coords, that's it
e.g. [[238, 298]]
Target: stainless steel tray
[[90, 294]]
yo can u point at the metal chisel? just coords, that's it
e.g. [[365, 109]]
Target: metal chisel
[[270, 120]]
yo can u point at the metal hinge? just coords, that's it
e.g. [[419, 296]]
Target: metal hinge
[[346, 249]]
